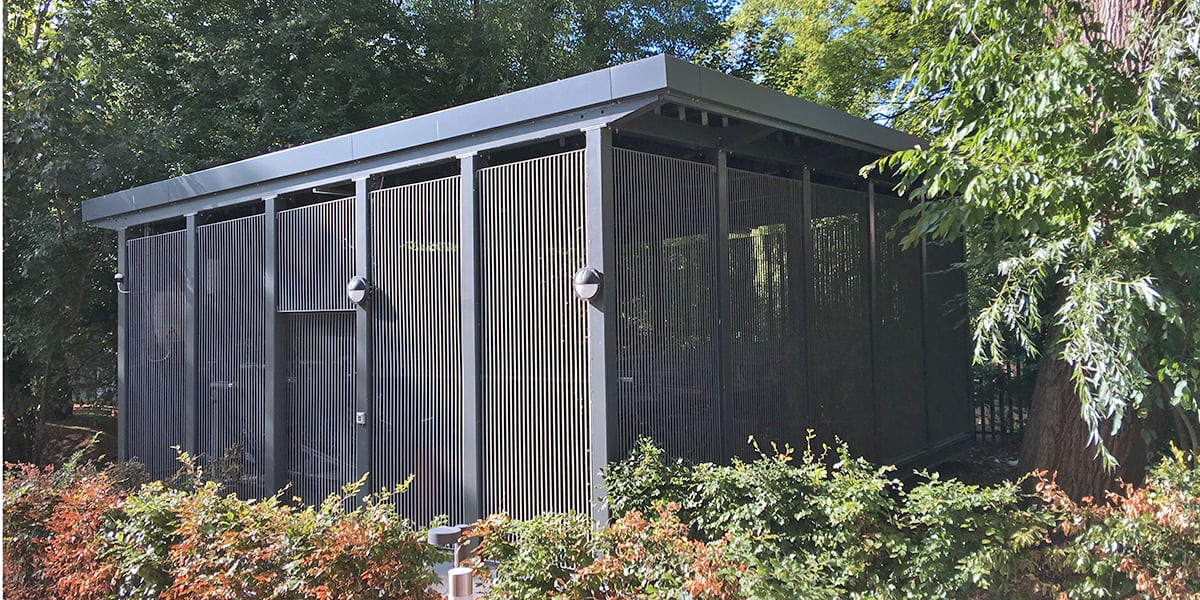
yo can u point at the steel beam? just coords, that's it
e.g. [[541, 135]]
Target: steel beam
[[191, 312], [122, 348], [600, 229], [472, 348], [362, 336], [276, 430]]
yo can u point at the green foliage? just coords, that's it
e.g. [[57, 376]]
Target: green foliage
[[1142, 542], [645, 480], [78, 532], [1074, 165], [538, 556], [838, 527], [846, 54], [563, 556]]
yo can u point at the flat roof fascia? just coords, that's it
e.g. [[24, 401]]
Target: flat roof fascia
[[571, 94], [526, 110], [705, 86], [564, 124]]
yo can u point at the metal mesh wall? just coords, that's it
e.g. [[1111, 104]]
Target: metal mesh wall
[[840, 365], [947, 345], [664, 268], [232, 305], [316, 256], [534, 335], [320, 383], [766, 301], [416, 346], [155, 364], [899, 360]]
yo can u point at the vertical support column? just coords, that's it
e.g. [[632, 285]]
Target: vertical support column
[[472, 354], [191, 313], [600, 230], [929, 442], [873, 315], [122, 350], [275, 434], [722, 292], [798, 280], [362, 336], [808, 297]]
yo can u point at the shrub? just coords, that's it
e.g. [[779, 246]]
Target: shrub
[[562, 556], [369, 552], [1141, 542], [137, 540], [76, 532], [50, 516], [834, 526]]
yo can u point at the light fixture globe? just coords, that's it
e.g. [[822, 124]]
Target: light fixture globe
[[357, 289], [587, 283]]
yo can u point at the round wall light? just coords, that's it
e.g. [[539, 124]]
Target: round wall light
[[586, 283], [357, 289]]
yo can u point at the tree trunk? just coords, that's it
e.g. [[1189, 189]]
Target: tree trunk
[[1056, 437]]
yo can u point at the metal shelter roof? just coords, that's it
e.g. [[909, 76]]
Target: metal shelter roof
[[595, 99]]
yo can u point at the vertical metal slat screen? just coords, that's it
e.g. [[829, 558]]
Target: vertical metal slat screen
[[321, 403], [316, 259], [535, 399], [232, 411], [899, 360], [840, 368], [667, 386], [316, 256], [416, 341], [155, 364], [768, 386]]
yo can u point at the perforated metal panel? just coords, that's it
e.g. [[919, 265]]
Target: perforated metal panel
[[947, 345], [232, 361], [768, 387], [416, 337], [667, 387], [534, 336], [840, 364], [899, 360], [320, 352], [316, 256], [155, 361]]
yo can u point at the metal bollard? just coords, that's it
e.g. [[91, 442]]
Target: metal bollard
[[460, 581]]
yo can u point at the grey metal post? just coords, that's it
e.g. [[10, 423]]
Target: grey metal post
[[472, 389], [122, 351], [362, 336], [808, 297], [873, 316], [722, 292], [925, 341], [191, 312], [273, 352], [600, 229], [798, 229]]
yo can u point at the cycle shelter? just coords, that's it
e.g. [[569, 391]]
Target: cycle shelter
[[490, 303]]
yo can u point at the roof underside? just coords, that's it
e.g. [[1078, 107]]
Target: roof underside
[[610, 97]]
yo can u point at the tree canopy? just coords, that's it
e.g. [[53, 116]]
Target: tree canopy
[[1074, 164]]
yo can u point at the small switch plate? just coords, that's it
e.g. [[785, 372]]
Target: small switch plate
[[360, 418]]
